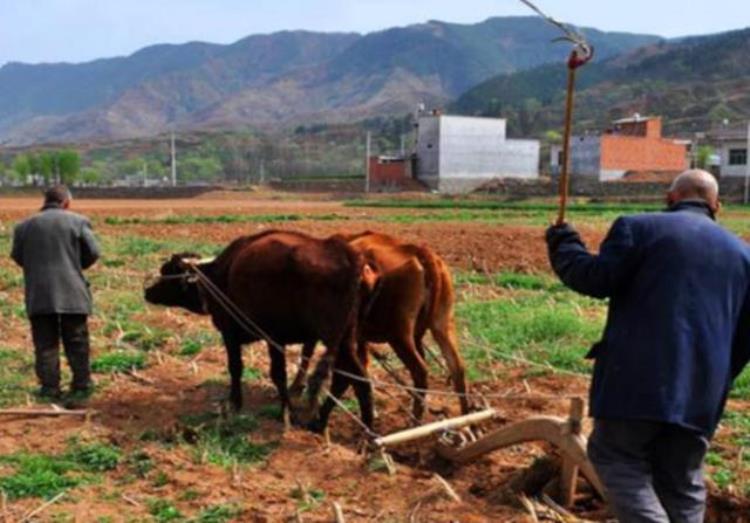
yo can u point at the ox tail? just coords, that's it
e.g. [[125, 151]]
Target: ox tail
[[440, 319]]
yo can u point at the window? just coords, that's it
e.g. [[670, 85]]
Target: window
[[737, 156]]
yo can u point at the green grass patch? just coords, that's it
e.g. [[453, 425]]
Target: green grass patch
[[192, 345], [138, 246], [307, 499], [119, 361], [10, 278], [16, 369], [449, 203], [93, 456], [145, 338], [225, 442], [38, 475], [535, 327], [164, 511], [45, 476], [217, 514], [534, 282], [188, 219], [140, 463], [252, 374], [741, 386]]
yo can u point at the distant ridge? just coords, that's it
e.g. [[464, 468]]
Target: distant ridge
[[696, 83], [275, 80]]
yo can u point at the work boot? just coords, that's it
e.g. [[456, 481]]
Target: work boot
[[48, 393], [78, 397]]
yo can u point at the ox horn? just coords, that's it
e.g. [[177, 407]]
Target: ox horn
[[197, 261]]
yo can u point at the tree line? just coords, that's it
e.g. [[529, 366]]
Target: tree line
[[45, 167]]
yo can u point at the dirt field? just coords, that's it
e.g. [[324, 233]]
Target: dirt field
[[143, 413]]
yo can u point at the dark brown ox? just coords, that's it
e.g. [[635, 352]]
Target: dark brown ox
[[415, 295], [295, 288]]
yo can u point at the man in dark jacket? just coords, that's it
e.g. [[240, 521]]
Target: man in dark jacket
[[677, 334], [54, 247]]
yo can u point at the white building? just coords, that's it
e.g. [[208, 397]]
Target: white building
[[732, 146], [460, 153]]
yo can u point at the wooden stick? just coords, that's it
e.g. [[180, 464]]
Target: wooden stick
[[39, 413], [42, 508], [4, 505], [432, 428], [131, 501], [338, 513], [564, 174], [570, 469], [447, 488], [139, 377]]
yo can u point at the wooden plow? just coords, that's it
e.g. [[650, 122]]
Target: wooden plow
[[563, 433]]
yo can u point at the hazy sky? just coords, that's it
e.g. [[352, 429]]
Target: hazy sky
[[79, 30]]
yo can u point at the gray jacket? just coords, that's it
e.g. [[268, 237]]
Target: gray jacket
[[54, 247]]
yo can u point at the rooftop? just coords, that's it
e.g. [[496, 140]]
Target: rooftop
[[636, 118]]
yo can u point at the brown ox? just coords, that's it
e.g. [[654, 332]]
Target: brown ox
[[415, 295], [295, 288]]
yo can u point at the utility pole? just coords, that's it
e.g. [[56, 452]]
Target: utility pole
[[262, 171], [747, 166], [145, 173], [174, 162], [367, 162]]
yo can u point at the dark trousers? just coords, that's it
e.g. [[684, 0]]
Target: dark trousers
[[653, 472], [47, 331]]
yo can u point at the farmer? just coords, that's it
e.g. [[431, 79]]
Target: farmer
[[53, 247], [677, 334]]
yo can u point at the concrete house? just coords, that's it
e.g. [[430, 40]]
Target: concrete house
[[460, 153], [631, 145], [732, 146]]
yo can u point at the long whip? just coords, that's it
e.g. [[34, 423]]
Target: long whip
[[581, 54]]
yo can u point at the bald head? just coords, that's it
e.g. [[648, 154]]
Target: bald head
[[695, 184]]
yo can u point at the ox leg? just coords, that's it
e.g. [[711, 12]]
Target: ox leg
[[445, 336], [407, 352], [278, 376], [234, 360], [339, 384], [350, 364], [304, 365], [362, 389], [322, 371]]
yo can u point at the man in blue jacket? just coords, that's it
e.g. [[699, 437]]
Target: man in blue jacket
[[677, 334]]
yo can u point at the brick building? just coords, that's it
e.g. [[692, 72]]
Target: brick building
[[632, 145], [390, 172]]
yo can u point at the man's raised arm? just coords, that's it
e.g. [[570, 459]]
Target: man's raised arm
[[599, 275]]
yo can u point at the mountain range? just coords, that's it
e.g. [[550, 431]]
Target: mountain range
[[695, 83], [284, 79]]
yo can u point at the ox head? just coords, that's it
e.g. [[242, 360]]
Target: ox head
[[176, 286]]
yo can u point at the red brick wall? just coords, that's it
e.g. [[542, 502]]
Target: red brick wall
[[631, 153], [388, 173]]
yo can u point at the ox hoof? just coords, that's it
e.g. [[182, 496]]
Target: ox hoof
[[316, 426]]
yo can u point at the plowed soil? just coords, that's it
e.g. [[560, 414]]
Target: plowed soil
[[153, 401]]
